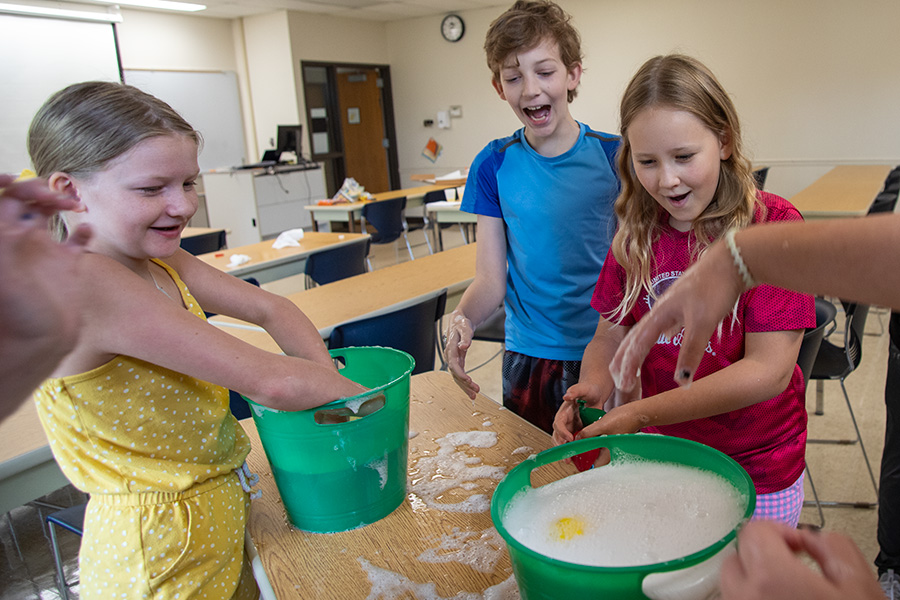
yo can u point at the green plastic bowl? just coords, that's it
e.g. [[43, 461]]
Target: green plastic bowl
[[542, 577], [343, 465]]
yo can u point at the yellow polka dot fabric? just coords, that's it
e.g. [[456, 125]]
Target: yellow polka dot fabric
[[156, 450]]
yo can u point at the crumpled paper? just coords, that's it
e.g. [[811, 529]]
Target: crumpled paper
[[237, 260], [288, 239]]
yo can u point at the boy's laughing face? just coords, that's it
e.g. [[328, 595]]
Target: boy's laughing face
[[536, 83]]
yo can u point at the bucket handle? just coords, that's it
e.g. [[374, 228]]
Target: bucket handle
[[359, 407], [570, 449]]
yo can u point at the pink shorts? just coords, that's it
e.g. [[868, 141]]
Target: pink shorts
[[784, 506]]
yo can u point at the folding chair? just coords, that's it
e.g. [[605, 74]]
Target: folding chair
[[809, 348], [836, 362]]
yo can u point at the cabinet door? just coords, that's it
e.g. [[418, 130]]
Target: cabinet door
[[230, 205], [281, 197]]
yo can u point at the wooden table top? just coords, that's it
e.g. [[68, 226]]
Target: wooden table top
[[844, 191], [408, 192], [192, 231], [21, 432], [355, 297], [310, 565], [262, 253]]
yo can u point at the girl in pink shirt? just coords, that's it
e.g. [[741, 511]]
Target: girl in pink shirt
[[685, 183]]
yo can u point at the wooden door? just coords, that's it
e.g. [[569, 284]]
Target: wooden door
[[362, 126]]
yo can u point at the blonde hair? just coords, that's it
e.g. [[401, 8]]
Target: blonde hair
[[524, 26], [82, 127], [685, 84]]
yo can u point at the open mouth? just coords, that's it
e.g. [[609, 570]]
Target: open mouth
[[538, 114], [678, 200], [168, 229]]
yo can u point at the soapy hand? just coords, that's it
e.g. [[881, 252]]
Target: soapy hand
[[457, 340]]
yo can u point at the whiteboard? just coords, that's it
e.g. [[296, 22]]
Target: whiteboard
[[209, 101], [39, 57]]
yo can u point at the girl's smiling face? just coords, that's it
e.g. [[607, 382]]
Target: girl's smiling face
[[677, 158], [536, 84], [141, 201]]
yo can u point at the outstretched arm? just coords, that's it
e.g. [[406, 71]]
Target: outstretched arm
[[479, 301], [853, 259], [38, 323]]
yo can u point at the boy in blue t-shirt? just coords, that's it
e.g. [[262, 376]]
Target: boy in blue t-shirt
[[544, 199]]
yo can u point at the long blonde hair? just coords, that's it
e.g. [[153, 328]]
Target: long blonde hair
[[682, 83]]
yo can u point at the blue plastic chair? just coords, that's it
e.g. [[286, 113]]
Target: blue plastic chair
[[204, 242], [387, 217], [338, 263], [412, 328]]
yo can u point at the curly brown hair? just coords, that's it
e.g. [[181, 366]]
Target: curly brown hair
[[524, 26]]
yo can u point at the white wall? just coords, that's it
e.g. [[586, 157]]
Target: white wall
[[816, 85], [162, 41]]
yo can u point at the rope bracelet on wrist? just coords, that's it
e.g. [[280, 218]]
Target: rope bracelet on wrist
[[739, 263]]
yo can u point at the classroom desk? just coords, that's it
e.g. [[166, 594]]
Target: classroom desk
[[268, 264], [349, 212], [844, 191], [448, 212], [307, 565], [370, 294]]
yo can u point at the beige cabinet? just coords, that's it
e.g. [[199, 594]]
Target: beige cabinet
[[257, 204]]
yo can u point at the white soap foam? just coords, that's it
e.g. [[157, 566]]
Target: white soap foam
[[626, 514], [523, 450], [355, 403], [380, 466], [480, 550], [452, 469], [388, 584]]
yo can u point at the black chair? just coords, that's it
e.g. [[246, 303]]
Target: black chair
[[435, 196], [70, 519], [204, 242], [836, 362], [387, 217], [336, 264], [760, 175], [885, 202], [412, 328], [809, 348]]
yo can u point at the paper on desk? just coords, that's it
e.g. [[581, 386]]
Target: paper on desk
[[288, 239], [237, 260], [454, 175]]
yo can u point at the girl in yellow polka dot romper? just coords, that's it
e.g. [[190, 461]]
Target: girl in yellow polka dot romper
[[130, 415]]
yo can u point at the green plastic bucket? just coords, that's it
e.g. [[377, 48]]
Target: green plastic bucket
[[343, 465], [539, 576]]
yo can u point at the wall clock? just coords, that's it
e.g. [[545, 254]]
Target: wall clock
[[453, 28]]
